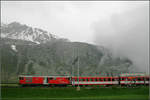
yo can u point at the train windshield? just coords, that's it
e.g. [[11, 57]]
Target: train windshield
[[21, 78]]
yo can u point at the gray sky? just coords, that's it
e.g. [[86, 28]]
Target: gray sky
[[72, 20], [120, 25]]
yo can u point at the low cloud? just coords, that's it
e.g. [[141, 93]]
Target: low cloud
[[126, 34]]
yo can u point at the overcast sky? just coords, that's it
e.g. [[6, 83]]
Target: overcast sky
[[72, 20], [120, 25]]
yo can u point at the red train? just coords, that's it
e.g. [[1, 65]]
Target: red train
[[74, 81]]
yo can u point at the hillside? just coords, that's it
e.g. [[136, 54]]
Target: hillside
[[55, 57]]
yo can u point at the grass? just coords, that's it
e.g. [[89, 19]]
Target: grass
[[10, 85], [37, 93]]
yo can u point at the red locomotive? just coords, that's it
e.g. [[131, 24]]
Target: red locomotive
[[74, 81], [44, 80]]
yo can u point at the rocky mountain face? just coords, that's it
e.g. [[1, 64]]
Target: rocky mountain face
[[16, 30], [52, 56]]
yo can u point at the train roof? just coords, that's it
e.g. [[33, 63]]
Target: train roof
[[39, 76], [66, 76], [133, 74], [124, 75]]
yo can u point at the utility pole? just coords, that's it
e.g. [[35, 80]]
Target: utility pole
[[78, 88], [3, 76], [78, 69], [73, 67]]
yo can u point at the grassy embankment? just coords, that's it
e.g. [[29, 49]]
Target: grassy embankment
[[69, 93]]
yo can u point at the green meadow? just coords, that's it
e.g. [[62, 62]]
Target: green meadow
[[71, 93]]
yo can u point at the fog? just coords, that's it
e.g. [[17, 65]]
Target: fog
[[126, 34]]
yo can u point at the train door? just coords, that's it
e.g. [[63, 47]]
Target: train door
[[70, 80], [45, 81], [119, 79]]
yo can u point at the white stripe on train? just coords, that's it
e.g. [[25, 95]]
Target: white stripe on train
[[115, 82], [136, 82]]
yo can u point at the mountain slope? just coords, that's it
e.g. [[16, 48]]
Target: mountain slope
[[57, 58], [16, 30], [52, 56]]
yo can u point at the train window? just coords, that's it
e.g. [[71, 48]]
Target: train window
[[96, 79], [81, 79], [91, 79], [104, 79], [51, 78], [138, 79], [109, 79], [147, 79], [123, 79], [21, 78], [113, 79], [67, 78], [87, 80]]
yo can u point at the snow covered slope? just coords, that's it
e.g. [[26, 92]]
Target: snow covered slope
[[16, 30]]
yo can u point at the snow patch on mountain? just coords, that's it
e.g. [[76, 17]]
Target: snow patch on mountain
[[13, 47], [16, 30]]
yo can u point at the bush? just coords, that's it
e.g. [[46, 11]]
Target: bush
[[114, 87]]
